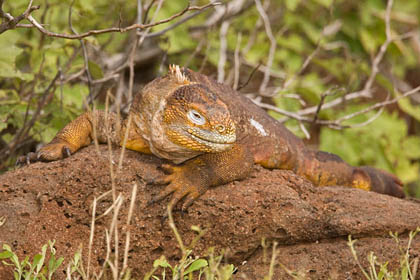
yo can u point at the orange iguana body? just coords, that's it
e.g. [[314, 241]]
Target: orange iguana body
[[214, 135]]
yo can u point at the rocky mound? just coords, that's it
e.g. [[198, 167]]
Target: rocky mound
[[53, 201]]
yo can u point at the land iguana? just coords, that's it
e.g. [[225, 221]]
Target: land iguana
[[213, 135]]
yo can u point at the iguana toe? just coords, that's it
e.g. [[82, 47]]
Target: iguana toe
[[54, 151], [179, 184], [27, 159]]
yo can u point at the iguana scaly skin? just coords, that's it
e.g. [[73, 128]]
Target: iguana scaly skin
[[214, 135]]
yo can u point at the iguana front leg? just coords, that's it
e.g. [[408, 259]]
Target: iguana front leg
[[77, 134], [192, 178]]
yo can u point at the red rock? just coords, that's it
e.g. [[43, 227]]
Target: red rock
[[53, 201]]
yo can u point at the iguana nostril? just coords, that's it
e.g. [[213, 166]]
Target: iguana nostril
[[220, 128]]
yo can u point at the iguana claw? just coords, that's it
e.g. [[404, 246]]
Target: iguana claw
[[27, 159], [179, 184], [50, 152]]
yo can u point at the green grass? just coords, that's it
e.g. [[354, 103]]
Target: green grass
[[46, 263], [376, 270]]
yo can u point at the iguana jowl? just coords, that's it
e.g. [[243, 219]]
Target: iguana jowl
[[214, 135]]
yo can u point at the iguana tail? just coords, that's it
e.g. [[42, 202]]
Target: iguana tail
[[378, 180], [325, 169]]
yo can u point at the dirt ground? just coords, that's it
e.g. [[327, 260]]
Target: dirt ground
[[53, 201]]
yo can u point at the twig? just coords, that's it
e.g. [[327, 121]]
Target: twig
[[11, 21], [304, 130], [263, 68], [91, 235], [249, 78], [329, 92], [273, 261], [222, 52], [281, 111], [335, 102], [382, 50], [35, 115], [128, 233], [176, 24], [336, 124], [196, 51], [204, 60], [378, 105], [225, 12], [138, 41], [273, 44], [127, 129], [368, 121], [366, 91], [115, 29], [85, 56], [294, 96], [305, 64], [237, 62]]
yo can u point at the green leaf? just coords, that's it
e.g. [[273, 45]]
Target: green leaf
[[404, 273], [407, 171], [368, 41], [95, 70], [161, 262], [54, 265], [292, 4], [37, 260], [411, 147], [326, 3], [407, 107], [195, 228], [196, 265], [5, 254], [73, 95], [3, 125], [8, 54]]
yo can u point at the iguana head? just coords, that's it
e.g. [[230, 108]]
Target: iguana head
[[196, 118]]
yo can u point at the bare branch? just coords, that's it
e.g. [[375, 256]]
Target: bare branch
[[364, 93], [176, 24], [305, 64], [237, 62], [222, 52], [225, 12], [379, 56], [138, 41], [335, 102], [281, 111], [378, 105], [196, 51], [294, 96], [337, 124], [329, 92], [11, 21], [85, 56], [263, 69], [273, 45], [304, 130], [117, 29], [249, 78]]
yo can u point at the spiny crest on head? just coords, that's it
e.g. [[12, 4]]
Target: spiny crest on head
[[175, 72]]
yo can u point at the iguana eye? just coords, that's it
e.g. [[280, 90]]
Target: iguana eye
[[196, 117]]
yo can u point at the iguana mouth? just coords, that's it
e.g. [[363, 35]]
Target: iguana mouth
[[207, 137]]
